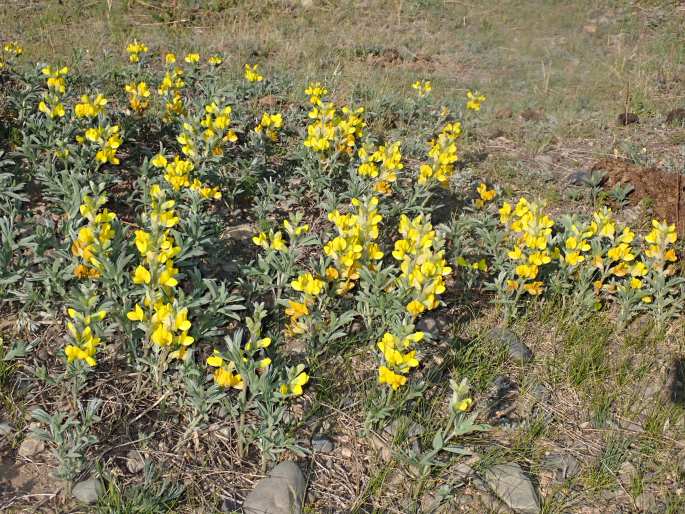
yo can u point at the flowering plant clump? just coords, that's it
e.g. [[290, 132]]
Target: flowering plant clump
[[443, 156], [422, 263], [354, 245], [93, 243], [330, 134], [164, 322], [398, 358]]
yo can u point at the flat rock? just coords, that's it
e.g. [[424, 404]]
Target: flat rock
[[322, 444], [578, 178], [433, 324], [134, 461], [563, 465], [627, 118], [6, 429], [513, 487], [88, 491], [30, 447], [509, 340], [282, 492]]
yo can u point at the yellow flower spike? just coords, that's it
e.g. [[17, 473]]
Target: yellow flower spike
[[192, 58]]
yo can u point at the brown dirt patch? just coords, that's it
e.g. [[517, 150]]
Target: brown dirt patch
[[659, 186]]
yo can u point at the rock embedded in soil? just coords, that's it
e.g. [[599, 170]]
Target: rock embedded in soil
[[433, 324], [563, 465], [578, 178], [674, 388], [514, 488], [676, 116], [516, 348], [134, 461], [5, 429], [88, 491], [30, 447], [627, 118], [282, 492], [322, 444]]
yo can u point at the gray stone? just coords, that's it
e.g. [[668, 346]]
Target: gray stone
[[433, 324], [578, 178], [462, 471], [282, 492], [88, 491], [134, 461], [627, 473], [30, 447], [646, 502], [517, 349], [6, 429], [322, 444], [563, 465], [514, 488]]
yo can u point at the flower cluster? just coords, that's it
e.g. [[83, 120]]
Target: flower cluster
[[398, 358], [206, 136], [251, 73], [135, 49], [270, 124], [170, 89], [83, 341], [138, 95], [443, 156], [274, 239], [355, 244], [90, 108], [309, 288], [422, 87], [51, 105], [94, 240], [530, 232], [106, 140], [381, 165], [423, 265], [475, 99], [9, 52], [164, 322], [485, 195], [328, 131]]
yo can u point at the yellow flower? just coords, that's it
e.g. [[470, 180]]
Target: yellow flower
[[475, 99], [141, 275], [227, 378], [308, 284], [192, 58], [215, 60], [415, 308], [277, 242], [387, 376], [159, 161], [464, 405], [251, 73], [422, 87], [136, 314]]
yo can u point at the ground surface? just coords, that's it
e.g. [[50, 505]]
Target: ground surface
[[557, 76]]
